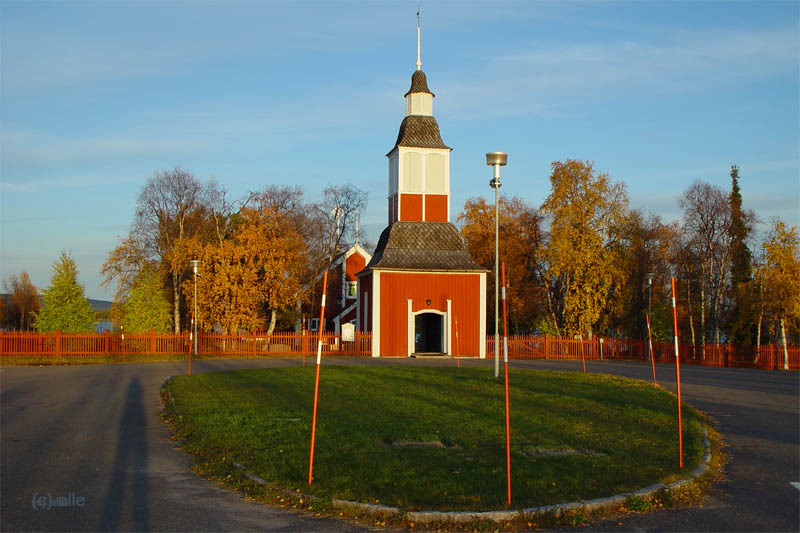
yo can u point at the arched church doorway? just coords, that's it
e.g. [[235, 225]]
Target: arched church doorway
[[429, 333]]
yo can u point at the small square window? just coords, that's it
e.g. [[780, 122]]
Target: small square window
[[352, 289]]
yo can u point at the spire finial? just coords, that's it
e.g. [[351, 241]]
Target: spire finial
[[419, 62]]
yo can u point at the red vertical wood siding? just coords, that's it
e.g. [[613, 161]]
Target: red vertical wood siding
[[462, 289], [411, 207], [365, 286], [436, 208], [354, 264]]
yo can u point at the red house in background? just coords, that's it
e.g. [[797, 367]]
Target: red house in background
[[342, 290], [421, 292]]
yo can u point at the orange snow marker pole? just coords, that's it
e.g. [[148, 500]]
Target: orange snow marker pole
[[505, 364], [678, 375], [652, 355], [458, 359], [316, 381], [191, 329], [583, 357]]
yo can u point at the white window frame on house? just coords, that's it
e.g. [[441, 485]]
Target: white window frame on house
[[313, 324], [352, 290]]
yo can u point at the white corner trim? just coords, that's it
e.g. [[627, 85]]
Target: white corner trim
[[376, 314], [410, 330], [482, 320], [448, 328]]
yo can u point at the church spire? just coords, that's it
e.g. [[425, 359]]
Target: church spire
[[419, 62]]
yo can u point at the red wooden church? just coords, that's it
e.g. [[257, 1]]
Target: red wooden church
[[421, 292]]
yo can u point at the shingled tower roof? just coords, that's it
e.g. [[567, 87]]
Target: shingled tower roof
[[425, 246], [419, 84], [420, 131]]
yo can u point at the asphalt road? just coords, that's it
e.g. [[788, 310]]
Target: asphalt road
[[91, 435]]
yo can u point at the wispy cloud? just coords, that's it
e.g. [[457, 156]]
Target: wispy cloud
[[541, 76]]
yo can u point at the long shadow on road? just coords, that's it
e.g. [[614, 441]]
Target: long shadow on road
[[130, 467]]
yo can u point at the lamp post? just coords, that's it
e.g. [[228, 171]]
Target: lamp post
[[195, 263], [496, 160], [649, 277]]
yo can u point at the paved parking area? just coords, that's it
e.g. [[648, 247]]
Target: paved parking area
[[91, 435]]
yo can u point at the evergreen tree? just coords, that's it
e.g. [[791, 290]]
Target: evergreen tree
[[65, 306], [742, 318], [147, 308]]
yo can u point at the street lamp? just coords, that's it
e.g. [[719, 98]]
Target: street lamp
[[496, 160], [649, 277], [195, 263]]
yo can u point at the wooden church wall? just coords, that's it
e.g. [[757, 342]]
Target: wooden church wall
[[397, 288]]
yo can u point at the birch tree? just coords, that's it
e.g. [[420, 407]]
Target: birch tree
[[22, 304], [780, 276], [707, 226], [520, 244], [585, 209]]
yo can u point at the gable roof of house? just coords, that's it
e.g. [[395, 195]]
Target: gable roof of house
[[429, 246]]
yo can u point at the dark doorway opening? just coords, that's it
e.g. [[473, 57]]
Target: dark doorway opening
[[428, 333]]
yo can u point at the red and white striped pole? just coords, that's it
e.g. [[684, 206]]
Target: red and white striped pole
[[678, 375], [652, 355], [191, 328], [316, 381], [505, 365], [458, 351]]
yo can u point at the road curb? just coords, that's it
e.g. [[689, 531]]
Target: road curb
[[588, 506]]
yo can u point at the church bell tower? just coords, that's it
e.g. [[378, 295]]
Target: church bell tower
[[419, 163]]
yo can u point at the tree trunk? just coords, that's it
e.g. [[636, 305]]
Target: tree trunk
[[690, 313], [758, 334], [785, 349], [273, 317], [703, 321], [176, 306]]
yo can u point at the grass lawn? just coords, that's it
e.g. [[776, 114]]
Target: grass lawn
[[574, 436], [66, 360]]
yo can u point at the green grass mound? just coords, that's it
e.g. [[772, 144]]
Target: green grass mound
[[434, 438]]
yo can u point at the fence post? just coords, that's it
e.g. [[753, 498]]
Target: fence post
[[254, 342], [58, 342], [152, 341], [546, 345]]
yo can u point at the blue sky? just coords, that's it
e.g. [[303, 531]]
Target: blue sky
[[97, 96]]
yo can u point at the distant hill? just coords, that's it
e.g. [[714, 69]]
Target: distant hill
[[97, 305], [100, 305]]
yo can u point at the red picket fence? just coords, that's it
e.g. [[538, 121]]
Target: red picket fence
[[723, 355], [256, 344], [260, 344]]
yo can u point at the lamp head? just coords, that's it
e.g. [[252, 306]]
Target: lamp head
[[649, 277], [496, 159], [195, 264]]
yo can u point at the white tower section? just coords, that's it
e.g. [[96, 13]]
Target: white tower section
[[419, 164]]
